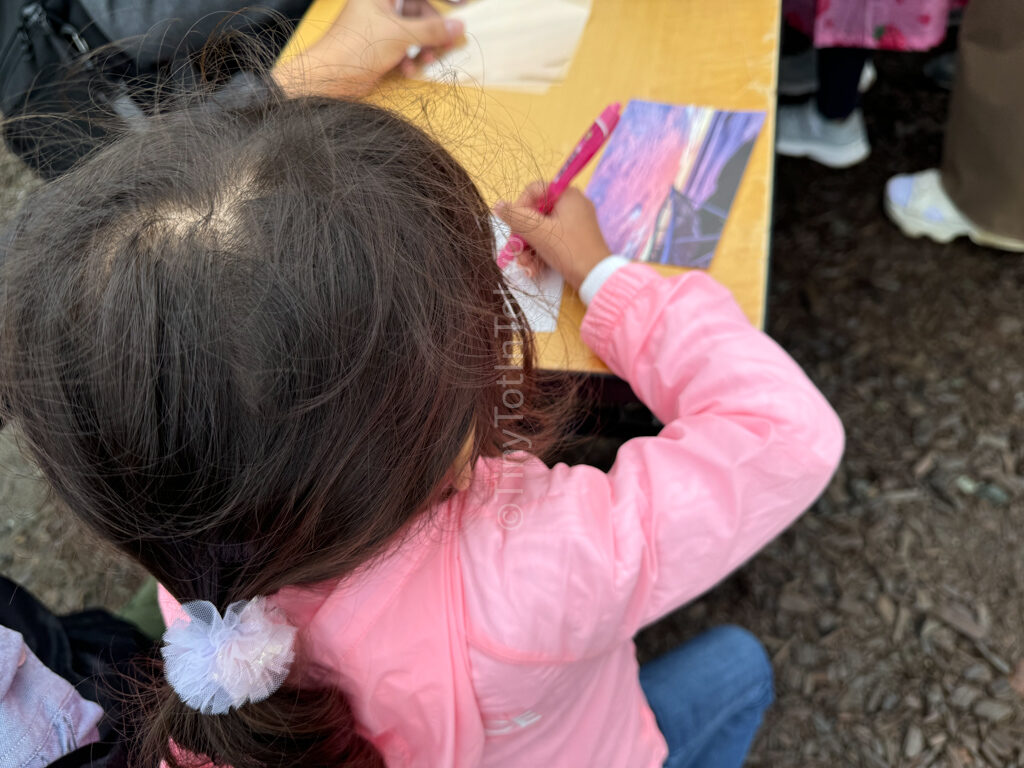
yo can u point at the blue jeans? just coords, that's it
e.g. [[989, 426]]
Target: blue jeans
[[709, 696]]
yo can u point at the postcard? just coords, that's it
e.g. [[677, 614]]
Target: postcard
[[667, 180]]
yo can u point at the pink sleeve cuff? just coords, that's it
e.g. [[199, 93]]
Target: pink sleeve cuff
[[599, 275], [610, 302]]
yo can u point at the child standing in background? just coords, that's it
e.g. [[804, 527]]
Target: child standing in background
[[829, 128], [266, 351]]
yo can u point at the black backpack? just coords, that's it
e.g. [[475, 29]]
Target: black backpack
[[53, 89]]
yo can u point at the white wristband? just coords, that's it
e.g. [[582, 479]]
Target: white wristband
[[596, 278]]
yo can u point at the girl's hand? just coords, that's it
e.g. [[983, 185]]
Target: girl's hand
[[568, 239], [367, 40]]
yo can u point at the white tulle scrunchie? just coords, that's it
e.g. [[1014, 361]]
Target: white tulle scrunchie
[[215, 663]]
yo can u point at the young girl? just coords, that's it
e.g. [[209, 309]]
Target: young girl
[[266, 351]]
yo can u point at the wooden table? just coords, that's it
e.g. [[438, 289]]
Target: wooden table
[[720, 54]]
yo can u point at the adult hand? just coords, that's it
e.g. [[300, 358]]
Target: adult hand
[[367, 40], [568, 239]]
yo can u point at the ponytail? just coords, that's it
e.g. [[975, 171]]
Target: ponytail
[[222, 695], [307, 727]]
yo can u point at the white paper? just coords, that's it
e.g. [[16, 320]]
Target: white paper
[[522, 45], [540, 299]]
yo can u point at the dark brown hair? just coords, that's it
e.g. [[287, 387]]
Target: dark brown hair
[[246, 345]]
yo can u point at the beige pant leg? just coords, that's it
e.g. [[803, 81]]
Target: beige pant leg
[[983, 162]]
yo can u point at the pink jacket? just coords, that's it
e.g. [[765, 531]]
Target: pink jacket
[[501, 633]]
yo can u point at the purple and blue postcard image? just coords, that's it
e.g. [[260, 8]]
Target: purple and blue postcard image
[[667, 179]]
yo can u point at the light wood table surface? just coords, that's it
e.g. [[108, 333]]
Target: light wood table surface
[[719, 54]]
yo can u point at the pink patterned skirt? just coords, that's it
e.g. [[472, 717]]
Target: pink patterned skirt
[[893, 25]]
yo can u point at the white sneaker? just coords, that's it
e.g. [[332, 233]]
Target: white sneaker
[[918, 204], [868, 76], [798, 74], [803, 132]]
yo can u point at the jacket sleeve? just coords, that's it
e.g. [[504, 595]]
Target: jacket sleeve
[[748, 444]]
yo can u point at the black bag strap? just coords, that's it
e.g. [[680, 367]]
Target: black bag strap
[[40, 37], [39, 34], [56, 93]]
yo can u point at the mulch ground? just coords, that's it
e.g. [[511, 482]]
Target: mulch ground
[[894, 609]]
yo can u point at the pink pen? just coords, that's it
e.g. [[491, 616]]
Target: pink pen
[[588, 146]]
